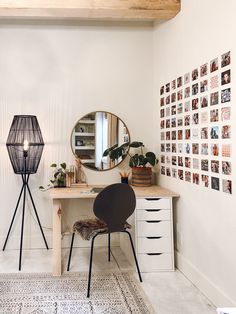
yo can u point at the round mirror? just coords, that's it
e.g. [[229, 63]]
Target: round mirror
[[93, 134]]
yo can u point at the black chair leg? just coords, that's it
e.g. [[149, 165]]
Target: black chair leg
[[109, 247], [90, 265], [135, 258], [71, 247]]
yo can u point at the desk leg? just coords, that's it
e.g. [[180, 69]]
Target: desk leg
[[56, 241]]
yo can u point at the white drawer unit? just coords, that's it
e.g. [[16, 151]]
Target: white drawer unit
[[154, 244], [153, 228], [154, 234], [153, 203], [153, 214], [155, 262]]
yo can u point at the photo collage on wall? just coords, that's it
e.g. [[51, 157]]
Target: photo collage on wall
[[195, 122]]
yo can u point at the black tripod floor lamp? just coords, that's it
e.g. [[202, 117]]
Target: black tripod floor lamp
[[25, 147]]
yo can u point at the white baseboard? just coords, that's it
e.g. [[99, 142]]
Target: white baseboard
[[207, 287]]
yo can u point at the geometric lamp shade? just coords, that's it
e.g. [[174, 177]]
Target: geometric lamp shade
[[25, 137], [25, 147]]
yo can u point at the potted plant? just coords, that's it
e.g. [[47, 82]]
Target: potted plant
[[140, 162], [59, 177]]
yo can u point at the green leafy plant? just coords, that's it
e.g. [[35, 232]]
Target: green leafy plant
[[138, 159], [59, 176]]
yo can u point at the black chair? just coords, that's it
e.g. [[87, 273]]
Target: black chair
[[112, 206]]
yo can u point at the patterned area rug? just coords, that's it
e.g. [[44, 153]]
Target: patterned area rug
[[115, 293]]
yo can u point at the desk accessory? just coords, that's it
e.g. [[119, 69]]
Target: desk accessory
[[80, 176], [96, 190], [124, 177]]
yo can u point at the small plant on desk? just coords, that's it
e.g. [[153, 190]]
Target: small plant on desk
[[59, 177]]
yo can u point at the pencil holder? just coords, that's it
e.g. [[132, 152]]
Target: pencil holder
[[125, 180]]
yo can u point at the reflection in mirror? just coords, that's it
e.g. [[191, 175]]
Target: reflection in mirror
[[93, 134]]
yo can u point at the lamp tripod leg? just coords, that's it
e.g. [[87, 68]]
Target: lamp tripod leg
[[36, 214], [22, 226], [13, 218]]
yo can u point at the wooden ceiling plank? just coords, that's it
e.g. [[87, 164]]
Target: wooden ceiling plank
[[91, 9]]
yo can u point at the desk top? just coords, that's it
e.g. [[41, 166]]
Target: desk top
[[84, 192]]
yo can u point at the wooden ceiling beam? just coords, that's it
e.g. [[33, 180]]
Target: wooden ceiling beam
[[145, 10]]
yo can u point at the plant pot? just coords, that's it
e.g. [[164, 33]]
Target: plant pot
[[142, 176], [60, 184]]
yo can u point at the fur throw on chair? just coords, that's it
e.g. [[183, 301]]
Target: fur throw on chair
[[88, 228]]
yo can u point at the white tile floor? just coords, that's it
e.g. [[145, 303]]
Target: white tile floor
[[169, 292]]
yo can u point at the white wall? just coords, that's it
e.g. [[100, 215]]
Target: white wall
[[205, 219], [60, 73]]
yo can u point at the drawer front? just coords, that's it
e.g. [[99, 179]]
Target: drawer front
[[152, 228], [153, 245], [149, 263], [153, 203], [153, 214]]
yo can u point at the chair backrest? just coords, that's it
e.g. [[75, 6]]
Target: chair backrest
[[114, 205]]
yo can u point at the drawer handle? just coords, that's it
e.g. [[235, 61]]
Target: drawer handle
[[152, 210], [150, 238], [153, 221], [152, 199], [152, 254]]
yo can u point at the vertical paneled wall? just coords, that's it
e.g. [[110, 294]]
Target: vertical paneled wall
[[60, 73]]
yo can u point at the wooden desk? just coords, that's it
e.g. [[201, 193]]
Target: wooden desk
[[59, 194]]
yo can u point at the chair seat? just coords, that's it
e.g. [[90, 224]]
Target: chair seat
[[87, 228]]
